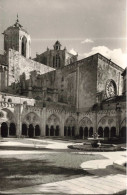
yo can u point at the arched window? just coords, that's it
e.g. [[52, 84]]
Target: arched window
[[106, 132], [65, 131], [69, 131], [113, 132], [91, 132], [86, 131], [57, 61], [37, 130], [24, 129], [52, 130], [4, 129], [73, 131], [47, 130], [100, 132], [9, 100], [23, 46], [53, 61], [31, 131], [123, 132], [81, 132], [57, 130], [12, 129]]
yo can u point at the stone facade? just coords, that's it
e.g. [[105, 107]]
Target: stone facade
[[64, 97]]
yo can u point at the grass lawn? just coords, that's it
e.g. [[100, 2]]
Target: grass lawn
[[37, 168]]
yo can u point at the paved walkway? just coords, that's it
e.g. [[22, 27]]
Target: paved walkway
[[84, 185], [105, 179]]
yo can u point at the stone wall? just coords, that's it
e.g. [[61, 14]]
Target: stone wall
[[64, 81], [87, 79], [77, 84], [19, 65], [3, 77], [107, 70], [5, 97]]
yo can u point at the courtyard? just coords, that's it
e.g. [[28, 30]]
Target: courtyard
[[48, 166]]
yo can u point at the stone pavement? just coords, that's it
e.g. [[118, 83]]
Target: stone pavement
[[102, 164], [102, 181], [84, 185]]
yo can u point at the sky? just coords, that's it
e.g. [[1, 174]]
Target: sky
[[85, 27]]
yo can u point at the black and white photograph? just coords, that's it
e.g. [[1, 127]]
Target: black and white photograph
[[63, 97]]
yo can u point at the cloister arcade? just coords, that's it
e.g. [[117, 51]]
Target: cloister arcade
[[7, 124], [31, 126], [107, 127], [8, 130], [30, 130]]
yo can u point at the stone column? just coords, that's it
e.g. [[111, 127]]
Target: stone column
[[27, 130], [49, 129], [83, 133], [18, 112], [66, 132], [0, 130], [118, 119], [103, 133], [109, 132], [71, 131], [42, 122], [54, 131], [96, 120], [8, 130], [88, 132], [77, 125], [61, 126], [34, 131]]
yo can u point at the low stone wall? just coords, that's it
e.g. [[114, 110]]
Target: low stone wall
[[120, 165]]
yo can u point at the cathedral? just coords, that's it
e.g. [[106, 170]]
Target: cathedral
[[57, 95]]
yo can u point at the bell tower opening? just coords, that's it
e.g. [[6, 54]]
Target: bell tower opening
[[57, 45], [23, 47]]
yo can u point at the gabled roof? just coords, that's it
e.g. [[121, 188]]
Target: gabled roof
[[57, 43], [124, 72]]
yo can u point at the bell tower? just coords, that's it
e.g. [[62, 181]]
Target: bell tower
[[57, 45], [15, 37]]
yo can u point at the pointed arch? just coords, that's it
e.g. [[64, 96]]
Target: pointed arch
[[53, 120], [85, 122], [106, 121], [9, 115], [31, 118], [53, 125], [23, 46], [70, 121]]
